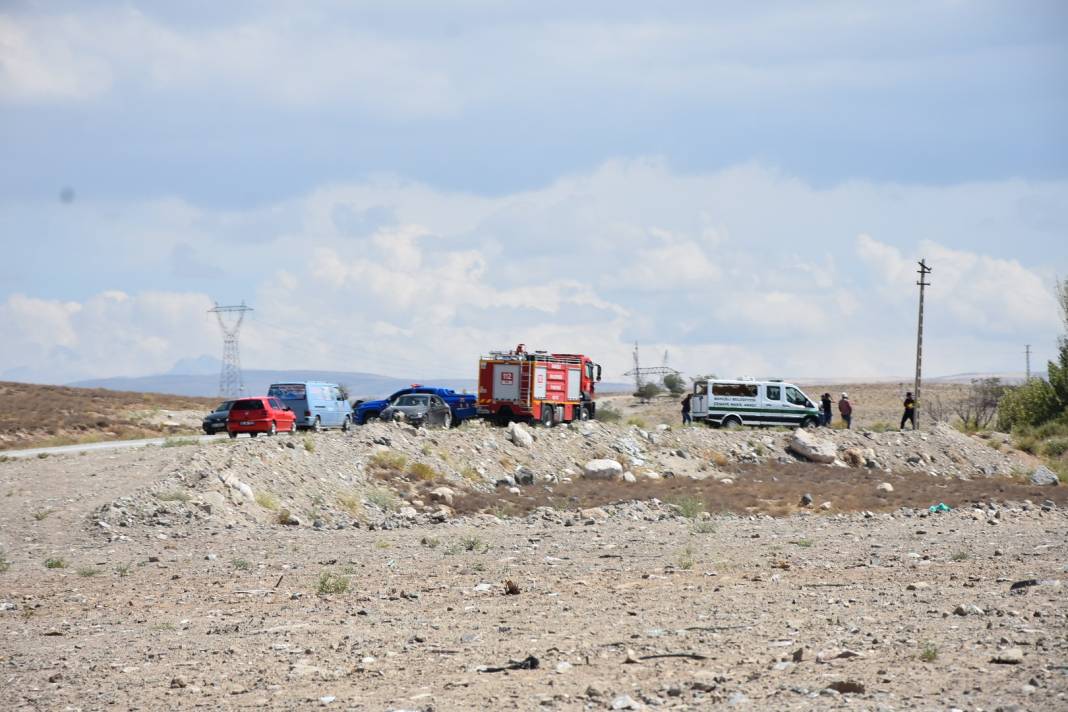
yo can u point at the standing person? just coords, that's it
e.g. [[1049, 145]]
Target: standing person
[[846, 409], [686, 409], [825, 410], [910, 411]]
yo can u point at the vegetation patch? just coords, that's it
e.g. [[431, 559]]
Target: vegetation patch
[[55, 562], [383, 498], [331, 583], [423, 472], [267, 500]]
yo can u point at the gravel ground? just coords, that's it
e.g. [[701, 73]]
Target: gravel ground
[[192, 594]]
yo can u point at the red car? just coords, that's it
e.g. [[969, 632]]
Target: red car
[[260, 415]]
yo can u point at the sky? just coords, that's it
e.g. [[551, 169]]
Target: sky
[[397, 187]]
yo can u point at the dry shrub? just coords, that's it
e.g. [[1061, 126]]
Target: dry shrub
[[423, 472]]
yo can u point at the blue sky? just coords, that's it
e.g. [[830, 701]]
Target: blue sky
[[404, 183]]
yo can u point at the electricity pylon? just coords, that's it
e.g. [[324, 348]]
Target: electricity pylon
[[231, 384]]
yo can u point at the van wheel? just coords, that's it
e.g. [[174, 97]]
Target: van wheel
[[273, 430], [345, 425], [547, 415], [318, 426], [808, 423], [233, 436], [731, 423]]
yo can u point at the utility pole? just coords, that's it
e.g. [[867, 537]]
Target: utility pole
[[1027, 352], [231, 385], [923, 272]]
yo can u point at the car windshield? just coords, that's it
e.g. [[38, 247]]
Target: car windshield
[[248, 405], [410, 400], [223, 407]]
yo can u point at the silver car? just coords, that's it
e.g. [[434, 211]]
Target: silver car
[[419, 409]]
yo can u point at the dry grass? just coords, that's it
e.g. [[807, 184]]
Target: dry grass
[[769, 489], [45, 416]]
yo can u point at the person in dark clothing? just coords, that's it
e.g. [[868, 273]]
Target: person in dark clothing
[[846, 409], [825, 411], [910, 411], [686, 409]]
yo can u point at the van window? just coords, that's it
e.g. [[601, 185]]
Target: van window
[[773, 393], [796, 397], [700, 389], [734, 390], [287, 391]]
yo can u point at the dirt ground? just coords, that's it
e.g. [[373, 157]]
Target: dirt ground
[[625, 606]]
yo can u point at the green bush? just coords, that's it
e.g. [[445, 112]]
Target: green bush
[[608, 414], [1029, 405], [1054, 447]]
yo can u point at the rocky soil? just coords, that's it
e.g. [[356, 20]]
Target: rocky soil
[[597, 566]]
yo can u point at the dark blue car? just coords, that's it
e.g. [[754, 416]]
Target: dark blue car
[[461, 404]]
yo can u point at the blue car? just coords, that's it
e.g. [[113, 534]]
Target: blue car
[[461, 404], [317, 405]]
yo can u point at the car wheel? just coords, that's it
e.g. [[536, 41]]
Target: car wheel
[[345, 425], [273, 430], [233, 436], [547, 415], [446, 420], [318, 426], [293, 427]]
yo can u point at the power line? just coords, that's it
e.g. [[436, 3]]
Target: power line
[[1027, 352]]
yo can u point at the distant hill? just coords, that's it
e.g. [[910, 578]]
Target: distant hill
[[360, 385]]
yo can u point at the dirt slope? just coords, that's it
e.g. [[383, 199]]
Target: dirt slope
[[39, 416]]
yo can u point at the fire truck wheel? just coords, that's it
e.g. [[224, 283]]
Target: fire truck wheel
[[547, 416], [583, 414], [504, 416]]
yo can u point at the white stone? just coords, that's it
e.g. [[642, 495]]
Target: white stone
[[603, 470], [811, 448]]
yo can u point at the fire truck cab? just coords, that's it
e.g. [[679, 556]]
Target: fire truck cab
[[536, 386]]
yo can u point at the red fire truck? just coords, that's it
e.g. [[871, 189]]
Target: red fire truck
[[536, 385]]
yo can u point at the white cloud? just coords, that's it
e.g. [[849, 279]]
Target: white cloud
[[975, 292], [111, 333], [745, 270]]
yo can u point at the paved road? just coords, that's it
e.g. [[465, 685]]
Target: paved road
[[107, 445]]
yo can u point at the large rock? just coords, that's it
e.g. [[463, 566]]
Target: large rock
[[443, 495], [1044, 476], [603, 470], [518, 434], [809, 447]]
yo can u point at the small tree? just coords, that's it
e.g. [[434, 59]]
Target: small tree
[[1038, 401], [978, 407], [675, 384], [648, 391]]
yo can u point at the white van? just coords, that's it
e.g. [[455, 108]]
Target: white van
[[745, 401]]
